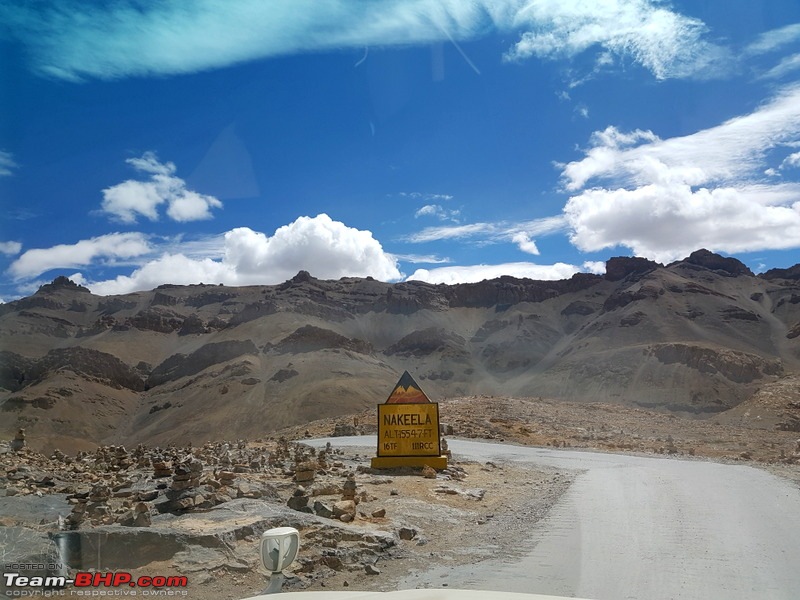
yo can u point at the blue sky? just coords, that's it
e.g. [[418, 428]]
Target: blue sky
[[144, 143]]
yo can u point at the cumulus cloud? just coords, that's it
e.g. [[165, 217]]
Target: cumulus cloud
[[597, 267], [7, 164], [127, 201], [525, 243], [105, 248], [664, 198], [326, 248], [74, 40], [793, 160], [10, 248], [475, 273]]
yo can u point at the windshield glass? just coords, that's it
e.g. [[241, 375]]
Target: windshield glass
[[482, 294]]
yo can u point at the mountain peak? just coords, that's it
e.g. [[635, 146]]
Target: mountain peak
[[716, 262], [62, 283], [619, 267]]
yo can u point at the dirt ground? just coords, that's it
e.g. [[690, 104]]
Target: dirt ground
[[474, 510], [596, 426]]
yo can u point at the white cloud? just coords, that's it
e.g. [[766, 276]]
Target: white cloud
[[731, 151], [787, 65], [525, 243], [10, 248], [428, 197], [436, 210], [598, 267], [665, 223], [667, 43], [449, 232], [85, 252], [665, 198], [793, 160], [131, 199], [326, 248], [73, 39], [493, 232], [430, 259], [475, 273], [7, 164], [775, 39]]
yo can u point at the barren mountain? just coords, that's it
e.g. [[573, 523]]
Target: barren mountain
[[207, 362]]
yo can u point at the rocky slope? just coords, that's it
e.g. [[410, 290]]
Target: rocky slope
[[206, 362]]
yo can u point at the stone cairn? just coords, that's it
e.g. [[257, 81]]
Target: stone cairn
[[182, 493], [18, 443]]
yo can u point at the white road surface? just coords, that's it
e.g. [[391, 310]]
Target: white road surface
[[644, 528]]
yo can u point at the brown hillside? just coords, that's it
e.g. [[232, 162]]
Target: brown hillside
[[193, 363]]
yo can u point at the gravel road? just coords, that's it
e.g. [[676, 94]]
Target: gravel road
[[635, 527]]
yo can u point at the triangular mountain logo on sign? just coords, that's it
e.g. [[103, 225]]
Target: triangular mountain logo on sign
[[407, 392]]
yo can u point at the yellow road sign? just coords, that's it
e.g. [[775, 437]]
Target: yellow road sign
[[407, 391], [408, 429]]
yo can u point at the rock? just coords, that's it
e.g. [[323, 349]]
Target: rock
[[226, 477], [346, 518], [297, 502], [428, 472], [323, 510], [161, 469], [407, 533], [142, 520], [192, 325], [730, 267], [181, 504], [619, 267], [579, 307], [476, 493], [328, 489], [305, 472], [309, 338], [182, 365], [18, 443], [379, 514], [344, 507], [344, 429], [371, 569], [790, 273], [127, 519], [349, 489]]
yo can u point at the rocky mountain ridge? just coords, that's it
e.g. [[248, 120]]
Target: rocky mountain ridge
[[205, 362]]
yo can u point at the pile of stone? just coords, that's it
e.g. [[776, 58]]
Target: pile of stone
[[305, 472], [343, 509], [299, 501], [161, 468], [187, 474], [18, 443], [183, 492]]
